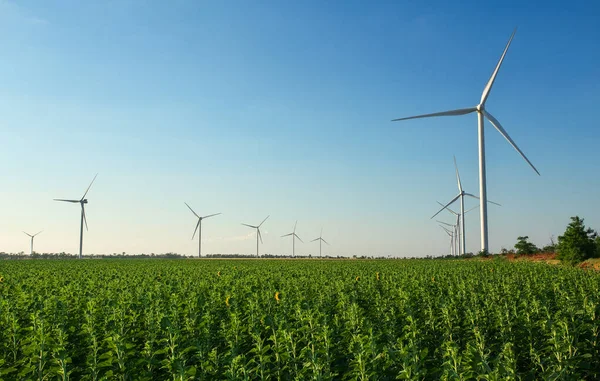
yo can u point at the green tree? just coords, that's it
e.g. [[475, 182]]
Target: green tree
[[577, 243], [523, 246]]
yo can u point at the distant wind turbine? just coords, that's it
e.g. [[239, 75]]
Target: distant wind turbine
[[258, 235], [294, 236], [481, 113], [451, 233], [461, 195], [82, 201], [321, 240], [32, 237], [199, 228], [459, 219]]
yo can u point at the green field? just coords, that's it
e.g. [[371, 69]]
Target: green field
[[219, 319]]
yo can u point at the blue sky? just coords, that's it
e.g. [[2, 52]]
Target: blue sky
[[283, 109]]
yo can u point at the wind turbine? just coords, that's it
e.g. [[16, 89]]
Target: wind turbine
[[461, 195], [32, 237], [321, 240], [258, 235], [481, 113], [460, 217], [294, 236], [82, 201], [199, 228], [451, 234]]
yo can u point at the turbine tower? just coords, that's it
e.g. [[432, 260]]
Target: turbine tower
[[481, 113], [32, 237], [82, 202], [199, 228], [258, 235], [294, 236], [321, 240]]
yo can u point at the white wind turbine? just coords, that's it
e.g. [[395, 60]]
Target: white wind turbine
[[459, 221], [321, 240], [258, 235], [294, 236], [32, 237], [199, 228], [451, 233], [461, 195], [481, 113], [82, 201]]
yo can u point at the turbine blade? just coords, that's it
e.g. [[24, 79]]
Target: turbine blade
[[196, 229], [287, 235], [446, 206], [263, 221], [457, 176], [298, 237], [296, 224], [28, 234], [488, 87], [473, 196], [325, 241], [88, 188], [503, 132], [473, 208], [445, 223], [316, 239], [251, 226], [448, 209], [38, 233], [321, 233], [84, 219], [461, 111], [192, 210], [60, 199], [211, 215], [259, 235], [446, 230]]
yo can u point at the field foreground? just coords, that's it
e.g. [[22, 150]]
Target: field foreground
[[260, 319]]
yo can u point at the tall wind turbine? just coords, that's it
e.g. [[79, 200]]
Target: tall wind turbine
[[294, 236], [481, 113], [82, 201], [321, 240], [258, 235], [32, 237], [199, 228]]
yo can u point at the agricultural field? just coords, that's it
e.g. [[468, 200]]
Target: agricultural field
[[301, 320]]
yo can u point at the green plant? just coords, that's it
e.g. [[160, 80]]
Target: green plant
[[523, 246], [577, 242]]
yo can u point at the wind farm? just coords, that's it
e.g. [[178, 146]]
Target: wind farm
[[419, 249], [481, 113]]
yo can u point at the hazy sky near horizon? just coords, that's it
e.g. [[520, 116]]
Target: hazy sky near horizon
[[283, 109]]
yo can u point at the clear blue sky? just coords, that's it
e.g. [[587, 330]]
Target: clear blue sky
[[284, 108]]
